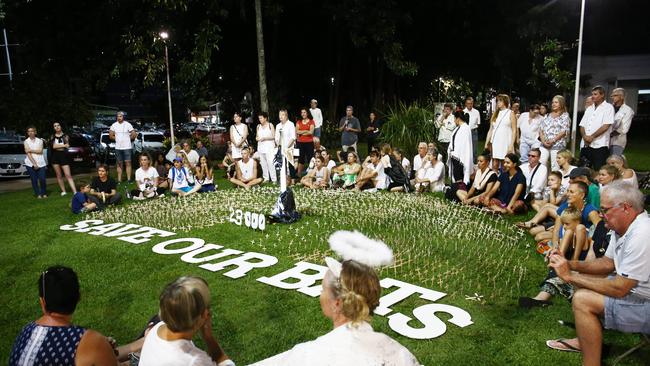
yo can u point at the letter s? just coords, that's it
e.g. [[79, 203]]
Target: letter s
[[433, 326]]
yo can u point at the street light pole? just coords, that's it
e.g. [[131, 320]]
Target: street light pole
[[164, 36], [576, 91]]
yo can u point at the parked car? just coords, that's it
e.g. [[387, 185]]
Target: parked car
[[106, 147], [149, 141], [81, 151], [12, 159], [217, 135]]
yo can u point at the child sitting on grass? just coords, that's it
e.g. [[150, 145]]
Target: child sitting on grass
[[318, 177], [553, 194], [575, 245], [80, 202]]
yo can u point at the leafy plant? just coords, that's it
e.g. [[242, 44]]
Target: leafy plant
[[407, 125]]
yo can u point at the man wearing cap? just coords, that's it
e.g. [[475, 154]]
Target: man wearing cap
[[620, 301], [122, 133], [622, 122], [350, 126], [595, 128], [317, 116], [583, 175]]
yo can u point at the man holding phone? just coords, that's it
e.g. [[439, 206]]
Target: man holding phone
[[350, 127]]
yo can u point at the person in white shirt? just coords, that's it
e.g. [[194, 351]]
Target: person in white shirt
[[122, 132], [146, 177], [528, 124], [265, 137], [285, 139], [372, 177], [35, 162], [445, 124], [246, 171], [595, 129], [350, 294], [180, 178], [620, 301], [418, 159], [536, 175], [317, 116], [622, 122], [192, 155], [474, 122], [431, 174], [184, 312]]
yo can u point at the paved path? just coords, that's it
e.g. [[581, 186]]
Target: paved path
[[18, 184]]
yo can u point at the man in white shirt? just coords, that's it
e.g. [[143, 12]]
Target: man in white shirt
[[622, 122], [535, 174], [474, 122], [318, 117], [620, 301], [446, 123], [418, 159], [528, 125], [595, 129], [192, 156], [122, 133]]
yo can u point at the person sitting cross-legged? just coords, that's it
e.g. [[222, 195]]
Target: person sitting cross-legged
[[484, 179], [103, 189], [246, 171], [372, 177], [318, 177], [80, 202], [345, 175], [180, 178], [147, 179], [614, 290], [509, 190]]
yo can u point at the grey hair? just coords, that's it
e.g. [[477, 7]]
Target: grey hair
[[618, 158], [120, 113], [422, 143], [624, 192], [621, 90]]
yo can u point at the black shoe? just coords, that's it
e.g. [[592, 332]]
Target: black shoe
[[529, 302]]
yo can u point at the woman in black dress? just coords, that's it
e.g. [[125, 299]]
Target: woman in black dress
[[59, 144]]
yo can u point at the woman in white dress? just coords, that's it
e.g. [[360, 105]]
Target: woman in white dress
[[238, 136], [461, 152], [504, 131], [266, 147], [351, 292]]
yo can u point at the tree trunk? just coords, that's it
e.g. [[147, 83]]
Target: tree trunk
[[261, 64]]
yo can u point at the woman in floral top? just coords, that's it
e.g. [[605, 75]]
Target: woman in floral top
[[553, 131]]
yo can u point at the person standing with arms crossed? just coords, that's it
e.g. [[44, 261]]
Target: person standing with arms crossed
[[123, 133]]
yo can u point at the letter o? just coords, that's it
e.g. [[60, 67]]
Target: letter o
[[254, 220], [161, 248]]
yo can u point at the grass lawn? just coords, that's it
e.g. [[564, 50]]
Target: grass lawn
[[456, 250]]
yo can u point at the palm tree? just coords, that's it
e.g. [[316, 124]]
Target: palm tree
[[261, 64]]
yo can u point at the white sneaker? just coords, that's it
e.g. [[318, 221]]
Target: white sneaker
[[64, 193]]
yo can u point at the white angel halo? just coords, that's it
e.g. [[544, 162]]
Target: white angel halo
[[353, 245]]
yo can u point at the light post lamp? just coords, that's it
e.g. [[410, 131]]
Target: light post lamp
[[164, 36], [576, 91]]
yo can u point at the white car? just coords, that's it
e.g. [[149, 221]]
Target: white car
[[148, 141], [12, 160]]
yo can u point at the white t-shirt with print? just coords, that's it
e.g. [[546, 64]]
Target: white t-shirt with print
[[122, 135], [141, 175]]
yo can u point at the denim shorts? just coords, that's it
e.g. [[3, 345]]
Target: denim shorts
[[123, 155], [629, 314]]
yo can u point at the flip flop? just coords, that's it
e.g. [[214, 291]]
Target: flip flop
[[565, 346], [525, 225]]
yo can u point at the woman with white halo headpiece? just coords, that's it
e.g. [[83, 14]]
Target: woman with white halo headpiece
[[350, 294]]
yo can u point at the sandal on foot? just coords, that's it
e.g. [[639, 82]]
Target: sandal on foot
[[563, 345], [525, 225]]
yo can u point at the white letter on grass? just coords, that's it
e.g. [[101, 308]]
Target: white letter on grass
[[304, 280], [80, 225], [146, 235], [161, 248], [192, 257], [403, 292], [242, 263], [433, 326]]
